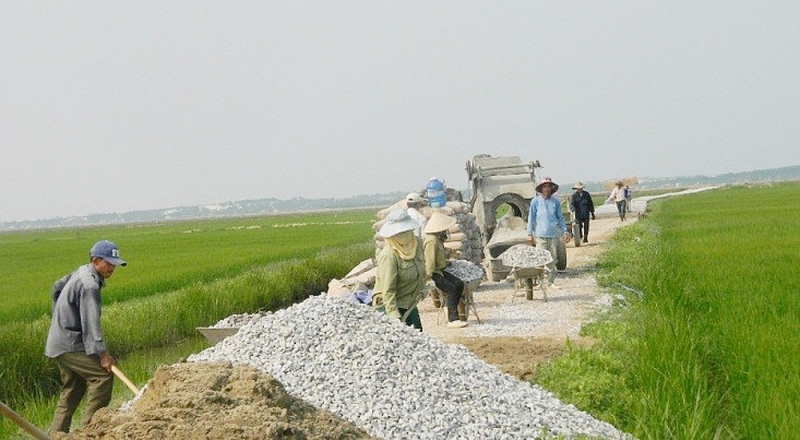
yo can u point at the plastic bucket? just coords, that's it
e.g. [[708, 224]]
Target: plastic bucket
[[435, 192]]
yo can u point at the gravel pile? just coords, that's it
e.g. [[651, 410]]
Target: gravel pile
[[525, 256], [464, 270], [394, 381], [239, 320]]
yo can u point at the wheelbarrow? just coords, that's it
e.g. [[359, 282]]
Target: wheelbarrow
[[469, 300], [528, 266], [216, 334], [466, 303]]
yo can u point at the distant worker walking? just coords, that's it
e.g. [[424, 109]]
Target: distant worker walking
[[628, 192], [582, 205], [75, 339], [546, 224], [618, 196]]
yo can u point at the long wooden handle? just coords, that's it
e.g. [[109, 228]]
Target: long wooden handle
[[22, 423], [124, 379]]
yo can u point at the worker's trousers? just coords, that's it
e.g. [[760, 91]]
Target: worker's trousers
[[454, 288], [549, 243], [80, 372], [584, 228], [621, 209]]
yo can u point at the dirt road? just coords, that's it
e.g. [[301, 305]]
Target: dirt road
[[516, 334]]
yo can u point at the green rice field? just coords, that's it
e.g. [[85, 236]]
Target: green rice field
[[165, 256]]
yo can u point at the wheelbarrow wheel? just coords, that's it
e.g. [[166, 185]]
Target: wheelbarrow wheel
[[576, 233], [561, 255]]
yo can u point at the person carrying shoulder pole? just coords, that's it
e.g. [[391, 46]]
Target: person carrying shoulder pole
[[618, 196], [75, 339], [628, 192]]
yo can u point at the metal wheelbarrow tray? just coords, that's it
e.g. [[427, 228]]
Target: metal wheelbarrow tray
[[528, 264], [214, 334]]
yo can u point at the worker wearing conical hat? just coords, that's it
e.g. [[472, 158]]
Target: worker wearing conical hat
[[436, 231], [546, 224]]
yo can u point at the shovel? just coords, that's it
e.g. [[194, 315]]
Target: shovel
[[117, 372], [22, 423]]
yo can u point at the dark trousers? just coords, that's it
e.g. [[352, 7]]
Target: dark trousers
[[80, 372], [584, 225], [413, 318], [454, 288], [621, 209]]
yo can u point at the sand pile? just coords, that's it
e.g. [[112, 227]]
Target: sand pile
[[215, 401]]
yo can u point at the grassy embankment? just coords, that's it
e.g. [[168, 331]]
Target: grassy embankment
[[706, 344], [180, 275]]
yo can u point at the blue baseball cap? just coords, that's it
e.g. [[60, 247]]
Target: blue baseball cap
[[108, 251]]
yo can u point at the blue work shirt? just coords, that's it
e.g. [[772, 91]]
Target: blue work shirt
[[545, 219]]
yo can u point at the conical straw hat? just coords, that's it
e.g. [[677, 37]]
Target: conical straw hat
[[439, 222]]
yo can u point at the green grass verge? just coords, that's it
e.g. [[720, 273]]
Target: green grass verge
[[709, 349]]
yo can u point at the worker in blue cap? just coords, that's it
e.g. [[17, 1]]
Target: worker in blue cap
[[75, 339]]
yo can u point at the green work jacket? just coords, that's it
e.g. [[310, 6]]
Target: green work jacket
[[399, 284], [435, 260]]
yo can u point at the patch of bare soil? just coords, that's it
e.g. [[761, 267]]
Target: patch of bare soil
[[517, 335], [215, 401], [517, 356]]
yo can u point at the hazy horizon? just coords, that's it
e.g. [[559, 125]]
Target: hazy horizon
[[129, 106]]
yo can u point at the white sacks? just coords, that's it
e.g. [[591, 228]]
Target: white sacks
[[464, 241]]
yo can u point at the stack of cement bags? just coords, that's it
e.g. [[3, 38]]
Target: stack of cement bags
[[464, 242]]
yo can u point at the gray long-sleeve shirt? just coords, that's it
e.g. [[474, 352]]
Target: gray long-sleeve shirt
[[75, 325]]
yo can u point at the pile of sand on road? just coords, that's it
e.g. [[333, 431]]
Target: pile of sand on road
[[215, 401]]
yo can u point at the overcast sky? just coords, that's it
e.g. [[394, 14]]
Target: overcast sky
[[129, 105]]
